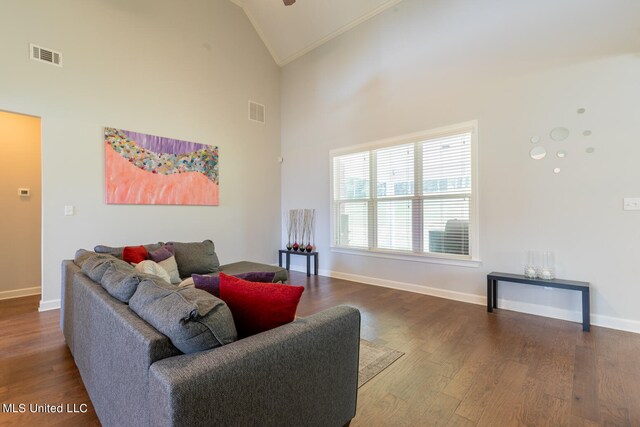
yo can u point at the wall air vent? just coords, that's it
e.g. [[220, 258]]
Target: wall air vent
[[256, 112], [42, 54]]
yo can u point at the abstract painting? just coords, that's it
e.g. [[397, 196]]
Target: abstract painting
[[145, 169]]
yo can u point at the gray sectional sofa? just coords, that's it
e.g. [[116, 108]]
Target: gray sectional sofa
[[303, 373]]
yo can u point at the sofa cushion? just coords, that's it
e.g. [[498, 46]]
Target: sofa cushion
[[96, 265], [236, 268], [120, 284], [257, 307], [211, 284], [135, 254], [81, 256], [192, 319], [196, 258], [117, 251]]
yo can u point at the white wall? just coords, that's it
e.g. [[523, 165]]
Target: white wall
[[520, 69], [180, 69]]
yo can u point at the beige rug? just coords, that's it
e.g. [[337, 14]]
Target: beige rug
[[374, 358]]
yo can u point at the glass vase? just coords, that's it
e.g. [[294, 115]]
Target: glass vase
[[530, 264], [547, 271]]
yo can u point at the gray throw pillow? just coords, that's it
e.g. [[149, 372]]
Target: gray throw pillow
[[196, 258], [192, 319]]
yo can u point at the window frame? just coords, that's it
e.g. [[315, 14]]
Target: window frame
[[470, 260]]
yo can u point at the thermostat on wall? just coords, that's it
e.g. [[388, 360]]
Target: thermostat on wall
[[24, 192]]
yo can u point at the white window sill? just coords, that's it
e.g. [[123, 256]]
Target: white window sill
[[428, 258]]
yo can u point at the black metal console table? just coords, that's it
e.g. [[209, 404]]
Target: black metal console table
[[307, 254], [492, 291]]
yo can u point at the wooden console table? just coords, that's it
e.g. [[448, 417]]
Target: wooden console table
[[307, 254], [492, 290]]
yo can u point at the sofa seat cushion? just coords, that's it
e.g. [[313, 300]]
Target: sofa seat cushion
[[195, 258], [258, 307], [191, 318], [236, 268], [211, 283]]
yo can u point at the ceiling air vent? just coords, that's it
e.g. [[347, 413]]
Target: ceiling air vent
[[43, 54], [256, 112]]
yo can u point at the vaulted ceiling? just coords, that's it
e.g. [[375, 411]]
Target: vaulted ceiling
[[291, 31]]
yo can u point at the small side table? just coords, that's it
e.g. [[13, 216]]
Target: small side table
[[307, 254], [492, 291]]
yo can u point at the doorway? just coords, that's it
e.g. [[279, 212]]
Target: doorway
[[21, 201]]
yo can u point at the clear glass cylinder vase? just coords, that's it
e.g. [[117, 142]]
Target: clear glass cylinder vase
[[530, 265], [547, 271]]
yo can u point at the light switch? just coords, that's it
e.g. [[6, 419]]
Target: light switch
[[68, 210], [24, 192], [632, 203]]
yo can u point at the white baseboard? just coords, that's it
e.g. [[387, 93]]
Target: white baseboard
[[541, 310], [536, 309], [411, 287], [25, 292], [616, 323], [53, 304]]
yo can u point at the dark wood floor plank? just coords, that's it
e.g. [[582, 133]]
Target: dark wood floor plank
[[500, 406], [632, 394], [585, 402]]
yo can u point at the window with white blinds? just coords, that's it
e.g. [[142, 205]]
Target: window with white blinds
[[411, 195]]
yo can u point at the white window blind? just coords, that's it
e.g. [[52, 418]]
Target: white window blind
[[446, 165], [412, 195]]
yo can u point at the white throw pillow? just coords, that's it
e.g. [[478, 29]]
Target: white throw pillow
[[171, 267], [188, 282], [151, 267]]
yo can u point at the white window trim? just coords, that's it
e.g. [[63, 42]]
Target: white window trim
[[474, 233], [409, 256]]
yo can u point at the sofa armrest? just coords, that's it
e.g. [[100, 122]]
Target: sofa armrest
[[69, 269], [302, 373]]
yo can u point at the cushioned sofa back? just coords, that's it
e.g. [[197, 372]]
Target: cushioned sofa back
[[113, 349], [196, 258], [117, 251]]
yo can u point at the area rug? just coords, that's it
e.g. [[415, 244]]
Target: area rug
[[374, 358]]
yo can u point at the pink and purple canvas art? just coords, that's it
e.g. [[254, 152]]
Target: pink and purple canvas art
[[145, 169]]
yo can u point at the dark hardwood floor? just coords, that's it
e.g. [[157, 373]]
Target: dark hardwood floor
[[462, 366]]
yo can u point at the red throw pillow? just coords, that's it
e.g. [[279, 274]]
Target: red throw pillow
[[259, 306], [134, 254]]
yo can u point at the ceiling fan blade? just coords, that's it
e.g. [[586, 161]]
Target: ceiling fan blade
[[289, 2]]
